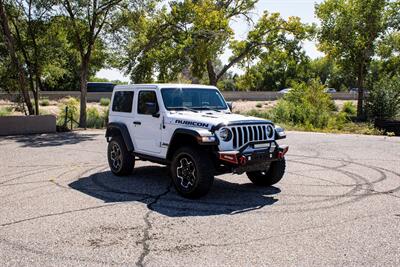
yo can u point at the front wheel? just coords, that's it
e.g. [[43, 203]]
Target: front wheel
[[270, 176], [192, 172], [120, 160]]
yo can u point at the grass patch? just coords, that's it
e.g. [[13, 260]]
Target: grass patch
[[6, 111], [44, 102], [105, 102], [96, 119]]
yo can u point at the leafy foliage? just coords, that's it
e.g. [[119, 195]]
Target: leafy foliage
[[348, 33], [349, 109], [72, 104], [190, 36], [306, 105], [384, 100], [94, 118], [105, 102]]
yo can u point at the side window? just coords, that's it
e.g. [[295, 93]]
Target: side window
[[146, 99], [122, 101]]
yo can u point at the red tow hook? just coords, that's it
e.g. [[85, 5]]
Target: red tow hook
[[282, 151], [242, 160]]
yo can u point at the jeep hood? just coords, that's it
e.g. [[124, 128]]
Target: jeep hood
[[208, 119]]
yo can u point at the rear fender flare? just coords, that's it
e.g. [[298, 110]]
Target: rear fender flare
[[118, 128]]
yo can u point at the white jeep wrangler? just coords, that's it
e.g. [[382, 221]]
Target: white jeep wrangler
[[191, 129]]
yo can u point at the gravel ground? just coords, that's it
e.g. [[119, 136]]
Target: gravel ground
[[338, 204]]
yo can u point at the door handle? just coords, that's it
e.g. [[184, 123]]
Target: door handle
[[137, 123]]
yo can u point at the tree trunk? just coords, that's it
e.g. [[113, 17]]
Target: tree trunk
[[36, 97], [83, 89], [212, 76], [360, 85], [9, 40]]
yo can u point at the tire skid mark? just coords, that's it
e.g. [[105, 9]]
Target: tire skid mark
[[80, 259], [37, 171], [22, 191], [28, 174], [261, 239], [378, 169], [47, 181], [57, 214]]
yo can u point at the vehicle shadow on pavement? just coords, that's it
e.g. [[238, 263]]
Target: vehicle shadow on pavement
[[151, 185], [50, 140]]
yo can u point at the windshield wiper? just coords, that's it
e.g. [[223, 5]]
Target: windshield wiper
[[210, 108], [184, 108]]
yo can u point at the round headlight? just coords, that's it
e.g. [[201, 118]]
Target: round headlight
[[225, 134]]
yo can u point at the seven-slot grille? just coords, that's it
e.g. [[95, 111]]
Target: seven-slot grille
[[247, 133]]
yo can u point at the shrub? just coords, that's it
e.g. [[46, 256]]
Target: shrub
[[260, 114], [104, 102], [94, 119], [305, 105], [349, 109], [383, 102], [259, 105], [5, 111], [44, 102], [73, 110], [105, 114]]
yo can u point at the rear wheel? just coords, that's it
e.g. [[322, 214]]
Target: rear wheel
[[270, 176], [120, 160], [192, 172]]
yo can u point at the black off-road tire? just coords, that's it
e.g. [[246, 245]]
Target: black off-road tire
[[121, 163], [192, 172], [268, 177]]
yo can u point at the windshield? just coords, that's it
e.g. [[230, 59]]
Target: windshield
[[192, 98]]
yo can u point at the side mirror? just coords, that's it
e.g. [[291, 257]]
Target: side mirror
[[151, 108], [230, 105]]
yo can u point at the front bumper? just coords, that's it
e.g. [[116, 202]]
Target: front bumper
[[255, 160]]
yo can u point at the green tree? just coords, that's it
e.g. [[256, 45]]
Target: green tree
[[87, 19], [321, 68], [189, 35], [278, 67], [349, 31], [15, 61], [29, 20], [193, 34], [389, 45]]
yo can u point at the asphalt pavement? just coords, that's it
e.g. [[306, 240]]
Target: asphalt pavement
[[338, 204]]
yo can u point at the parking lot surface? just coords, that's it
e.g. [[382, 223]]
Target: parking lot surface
[[338, 204]]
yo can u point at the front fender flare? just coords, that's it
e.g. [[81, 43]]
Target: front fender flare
[[195, 138]]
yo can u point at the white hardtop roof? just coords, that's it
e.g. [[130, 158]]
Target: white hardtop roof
[[161, 85]]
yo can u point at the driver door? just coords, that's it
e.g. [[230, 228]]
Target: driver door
[[147, 126]]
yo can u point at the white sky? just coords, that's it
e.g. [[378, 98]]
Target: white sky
[[301, 8]]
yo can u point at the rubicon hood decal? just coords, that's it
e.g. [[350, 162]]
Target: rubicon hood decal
[[192, 123], [207, 120]]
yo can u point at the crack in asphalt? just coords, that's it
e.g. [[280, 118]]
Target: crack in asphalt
[[146, 237]]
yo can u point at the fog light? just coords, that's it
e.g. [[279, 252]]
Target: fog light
[[207, 139]]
